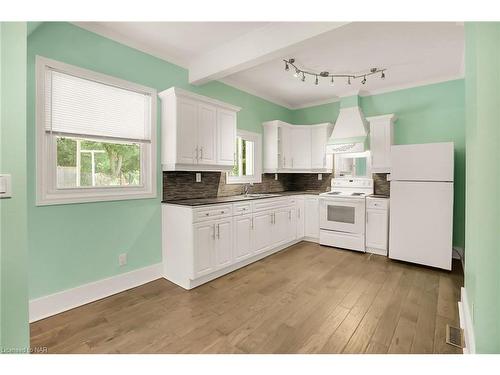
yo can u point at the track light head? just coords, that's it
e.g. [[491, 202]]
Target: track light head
[[303, 77], [382, 75], [348, 80], [364, 80], [296, 74], [331, 82], [287, 68], [316, 82]]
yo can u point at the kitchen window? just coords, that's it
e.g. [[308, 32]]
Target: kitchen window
[[248, 163], [96, 136]]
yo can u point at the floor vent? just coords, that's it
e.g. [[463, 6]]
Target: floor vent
[[454, 336]]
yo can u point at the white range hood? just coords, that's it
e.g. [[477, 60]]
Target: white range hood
[[349, 133]]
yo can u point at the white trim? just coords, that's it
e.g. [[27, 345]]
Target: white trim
[[56, 303], [466, 323], [268, 98], [176, 91], [256, 178], [316, 103], [46, 192], [103, 31]]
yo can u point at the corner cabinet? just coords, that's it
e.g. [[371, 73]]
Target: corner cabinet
[[381, 140], [198, 132], [296, 148]]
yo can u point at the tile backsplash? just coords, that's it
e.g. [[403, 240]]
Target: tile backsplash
[[183, 185]]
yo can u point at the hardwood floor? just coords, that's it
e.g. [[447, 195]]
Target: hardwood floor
[[305, 299]]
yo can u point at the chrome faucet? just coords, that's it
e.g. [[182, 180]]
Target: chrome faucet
[[247, 187]]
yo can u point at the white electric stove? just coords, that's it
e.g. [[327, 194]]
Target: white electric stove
[[342, 213]]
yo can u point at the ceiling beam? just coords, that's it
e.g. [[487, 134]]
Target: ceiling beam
[[272, 41]]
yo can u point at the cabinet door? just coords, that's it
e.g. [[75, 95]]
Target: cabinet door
[[380, 146], [301, 148], [223, 243], [207, 134], [226, 137], [285, 147], [242, 237], [318, 147], [279, 230], [262, 224], [292, 225], [311, 208], [203, 259], [376, 229], [187, 131], [299, 212]]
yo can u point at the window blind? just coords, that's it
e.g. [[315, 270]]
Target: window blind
[[80, 106]]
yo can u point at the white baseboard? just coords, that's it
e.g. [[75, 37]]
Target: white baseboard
[[56, 303], [466, 323]]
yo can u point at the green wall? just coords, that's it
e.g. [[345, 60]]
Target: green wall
[[14, 330], [482, 237], [70, 245], [432, 113]]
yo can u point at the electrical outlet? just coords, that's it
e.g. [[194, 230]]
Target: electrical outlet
[[198, 177], [320, 176], [276, 176], [122, 259]]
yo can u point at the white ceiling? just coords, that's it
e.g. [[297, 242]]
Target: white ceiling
[[414, 53]]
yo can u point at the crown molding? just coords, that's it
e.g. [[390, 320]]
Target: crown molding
[[106, 32]]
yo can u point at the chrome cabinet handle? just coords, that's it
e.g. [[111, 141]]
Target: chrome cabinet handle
[[272, 218], [290, 215], [218, 231], [201, 153], [213, 232], [251, 223], [284, 162], [298, 213]]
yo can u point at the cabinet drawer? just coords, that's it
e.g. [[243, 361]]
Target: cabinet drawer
[[211, 212], [270, 204], [378, 203], [242, 208]]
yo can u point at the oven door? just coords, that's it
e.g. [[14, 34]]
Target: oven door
[[343, 215]]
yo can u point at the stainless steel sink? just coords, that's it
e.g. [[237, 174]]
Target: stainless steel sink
[[263, 195]]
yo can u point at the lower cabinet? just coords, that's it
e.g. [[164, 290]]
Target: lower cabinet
[[311, 213], [202, 243], [377, 225], [243, 237]]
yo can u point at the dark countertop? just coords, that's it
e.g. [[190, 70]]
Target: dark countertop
[[236, 198]]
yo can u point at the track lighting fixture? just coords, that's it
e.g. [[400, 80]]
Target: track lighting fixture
[[302, 73]]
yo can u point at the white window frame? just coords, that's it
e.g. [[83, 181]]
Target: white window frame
[[47, 192], [256, 138]]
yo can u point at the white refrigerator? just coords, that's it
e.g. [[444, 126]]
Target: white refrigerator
[[421, 210]]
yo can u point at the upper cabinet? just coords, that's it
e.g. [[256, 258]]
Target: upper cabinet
[[198, 132], [381, 139], [296, 148]]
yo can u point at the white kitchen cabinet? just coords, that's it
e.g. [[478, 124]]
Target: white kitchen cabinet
[[223, 239], [319, 138], [299, 212], [381, 140], [198, 132], [205, 242], [226, 137], [262, 224], [311, 219], [377, 225], [207, 134], [300, 139], [296, 148], [243, 237], [203, 257], [187, 112]]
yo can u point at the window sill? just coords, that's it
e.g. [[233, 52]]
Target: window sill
[[59, 198]]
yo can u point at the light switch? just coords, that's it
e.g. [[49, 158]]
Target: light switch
[[5, 186]]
